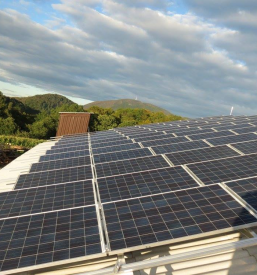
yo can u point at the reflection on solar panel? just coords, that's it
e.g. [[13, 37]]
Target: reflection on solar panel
[[65, 155], [180, 147], [48, 198], [163, 141], [116, 148], [54, 177], [111, 143], [246, 130], [49, 237], [58, 164], [122, 155], [246, 189], [144, 183], [201, 155], [130, 166], [162, 217], [248, 147], [232, 139], [211, 135], [66, 149], [225, 169]]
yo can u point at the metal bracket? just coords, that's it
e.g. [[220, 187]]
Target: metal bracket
[[120, 261]]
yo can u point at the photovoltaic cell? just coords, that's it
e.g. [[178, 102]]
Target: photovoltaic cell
[[66, 149], [246, 189], [246, 130], [151, 137], [105, 140], [200, 155], [225, 169], [183, 146], [67, 145], [171, 216], [192, 131], [44, 199], [59, 164], [67, 155], [111, 143], [121, 155], [164, 141], [144, 183], [130, 166], [248, 147], [54, 177], [45, 238], [211, 135], [232, 139], [116, 148], [242, 125]]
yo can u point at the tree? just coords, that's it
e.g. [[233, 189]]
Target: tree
[[7, 126]]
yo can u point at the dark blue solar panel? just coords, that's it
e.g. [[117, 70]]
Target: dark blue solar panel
[[172, 216]]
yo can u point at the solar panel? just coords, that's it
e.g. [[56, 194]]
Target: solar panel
[[54, 177], [172, 216], [220, 128], [182, 146], [199, 155], [191, 132], [153, 137], [246, 130], [232, 139], [130, 166], [105, 140], [164, 141], [44, 238], [67, 145], [225, 169], [246, 189], [248, 147], [67, 149], [144, 183], [67, 155], [115, 148], [47, 198], [121, 155], [211, 135], [111, 143], [59, 164]]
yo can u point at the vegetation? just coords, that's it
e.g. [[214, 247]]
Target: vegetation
[[19, 141], [38, 120], [126, 104], [45, 102]]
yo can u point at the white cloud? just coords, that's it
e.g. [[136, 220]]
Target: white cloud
[[184, 63]]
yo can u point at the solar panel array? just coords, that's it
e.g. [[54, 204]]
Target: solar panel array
[[156, 184]]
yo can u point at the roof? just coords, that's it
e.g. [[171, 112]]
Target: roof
[[166, 198], [73, 123]]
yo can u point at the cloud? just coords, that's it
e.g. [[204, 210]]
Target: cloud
[[184, 63]]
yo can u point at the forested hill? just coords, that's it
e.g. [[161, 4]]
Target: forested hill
[[39, 118], [126, 103], [45, 102]]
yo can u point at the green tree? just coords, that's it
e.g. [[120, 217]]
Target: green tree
[[7, 126]]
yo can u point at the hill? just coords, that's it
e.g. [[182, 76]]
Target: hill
[[126, 103], [45, 102]]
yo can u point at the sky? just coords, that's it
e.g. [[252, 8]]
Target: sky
[[194, 58]]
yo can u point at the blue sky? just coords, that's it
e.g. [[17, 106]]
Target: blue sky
[[191, 57]]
